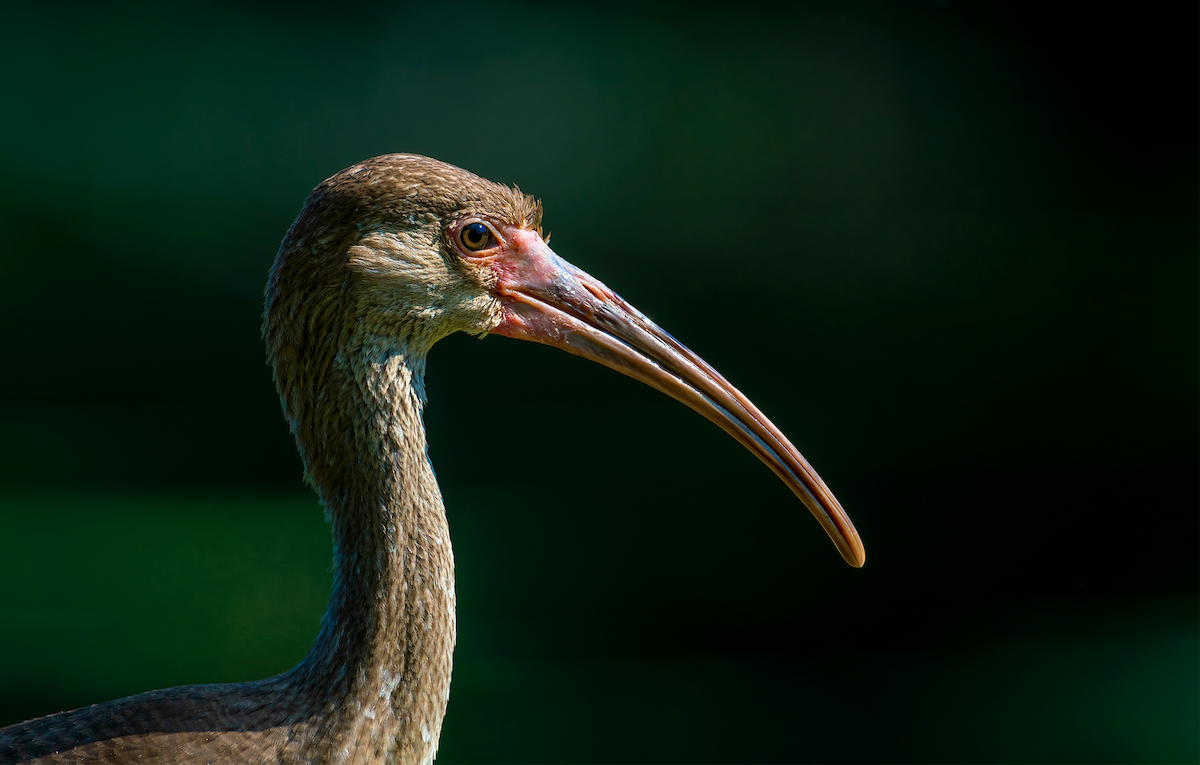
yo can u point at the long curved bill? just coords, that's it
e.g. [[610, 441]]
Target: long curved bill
[[547, 300]]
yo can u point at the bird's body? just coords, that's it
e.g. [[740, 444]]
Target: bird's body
[[384, 259]]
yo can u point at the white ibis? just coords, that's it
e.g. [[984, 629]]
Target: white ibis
[[386, 258]]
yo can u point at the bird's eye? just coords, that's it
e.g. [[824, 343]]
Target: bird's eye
[[476, 237]]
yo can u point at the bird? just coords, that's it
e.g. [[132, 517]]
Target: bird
[[384, 259]]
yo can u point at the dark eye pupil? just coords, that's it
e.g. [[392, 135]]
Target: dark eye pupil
[[475, 235]]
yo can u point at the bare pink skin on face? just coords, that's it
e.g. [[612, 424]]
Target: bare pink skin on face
[[534, 285]]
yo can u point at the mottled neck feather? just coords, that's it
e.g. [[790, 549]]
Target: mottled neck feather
[[380, 668], [375, 684]]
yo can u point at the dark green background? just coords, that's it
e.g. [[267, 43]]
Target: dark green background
[[950, 248]]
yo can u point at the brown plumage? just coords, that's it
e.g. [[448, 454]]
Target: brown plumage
[[385, 258]]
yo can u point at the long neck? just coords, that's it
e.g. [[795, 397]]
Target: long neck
[[379, 670], [375, 684]]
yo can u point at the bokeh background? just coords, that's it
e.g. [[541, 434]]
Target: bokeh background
[[950, 248]]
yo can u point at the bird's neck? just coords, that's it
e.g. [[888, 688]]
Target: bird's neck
[[380, 668]]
